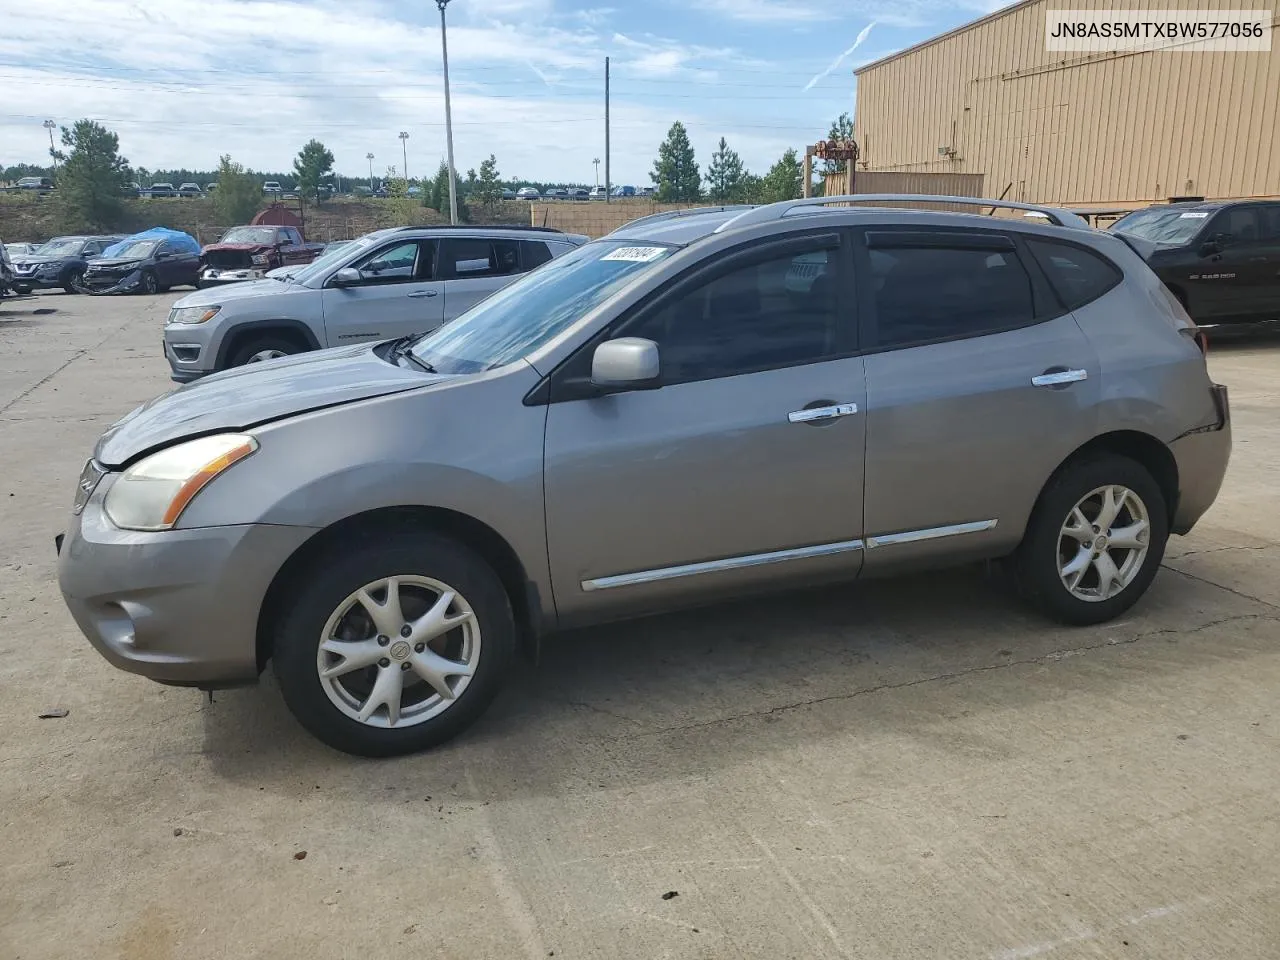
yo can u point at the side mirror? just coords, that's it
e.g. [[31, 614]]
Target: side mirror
[[162, 254], [1215, 244], [346, 277], [628, 363]]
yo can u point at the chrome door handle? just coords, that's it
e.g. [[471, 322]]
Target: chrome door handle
[[1059, 377], [423, 293], [811, 414]]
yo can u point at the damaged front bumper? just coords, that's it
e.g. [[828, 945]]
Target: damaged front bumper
[[103, 285], [213, 276]]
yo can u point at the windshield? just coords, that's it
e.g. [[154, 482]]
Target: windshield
[[135, 249], [523, 316], [330, 257], [61, 248], [1169, 227], [249, 235]]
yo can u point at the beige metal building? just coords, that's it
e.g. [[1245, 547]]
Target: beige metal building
[[1099, 129]]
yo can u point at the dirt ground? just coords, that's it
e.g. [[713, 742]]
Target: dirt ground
[[907, 769]]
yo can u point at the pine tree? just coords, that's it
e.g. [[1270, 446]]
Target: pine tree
[[784, 179], [725, 174], [841, 129], [93, 177], [488, 187], [675, 172], [312, 166]]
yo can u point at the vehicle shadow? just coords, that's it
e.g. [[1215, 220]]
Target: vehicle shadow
[[687, 693]]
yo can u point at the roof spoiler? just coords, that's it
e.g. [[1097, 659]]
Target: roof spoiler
[[776, 211]]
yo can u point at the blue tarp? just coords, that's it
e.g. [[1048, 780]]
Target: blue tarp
[[182, 240]]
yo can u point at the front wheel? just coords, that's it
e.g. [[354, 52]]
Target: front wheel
[[73, 282], [149, 282], [394, 645], [1095, 541], [264, 348]]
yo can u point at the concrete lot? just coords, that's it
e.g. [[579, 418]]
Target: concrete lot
[[902, 769]]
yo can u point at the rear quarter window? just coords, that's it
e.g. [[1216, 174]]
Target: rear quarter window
[[1078, 276]]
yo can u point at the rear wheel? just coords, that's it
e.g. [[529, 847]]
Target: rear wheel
[[394, 645], [1095, 540], [264, 348]]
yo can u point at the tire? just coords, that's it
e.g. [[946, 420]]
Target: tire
[[264, 348], [313, 611], [22, 289], [1047, 549], [150, 284], [73, 280]]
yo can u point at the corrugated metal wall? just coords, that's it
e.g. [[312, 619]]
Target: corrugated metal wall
[[877, 181], [1097, 129]]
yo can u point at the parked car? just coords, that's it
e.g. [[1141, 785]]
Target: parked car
[[555, 193], [579, 193], [162, 190], [247, 253], [508, 193], [189, 190], [143, 265], [42, 184], [599, 193], [386, 284], [59, 263], [624, 191], [648, 191], [272, 186], [614, 435], [332, 252], [20, 249], [527, 193], [6, 272], [1220, 259], [210, 187]]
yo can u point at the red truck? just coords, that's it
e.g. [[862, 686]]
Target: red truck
[[247, 253]]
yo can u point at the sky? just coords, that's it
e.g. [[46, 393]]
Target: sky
[[183, 82]]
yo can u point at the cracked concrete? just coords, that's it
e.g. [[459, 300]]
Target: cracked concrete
[[901, 769]]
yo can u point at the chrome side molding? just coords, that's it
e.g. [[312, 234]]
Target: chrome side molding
[[932, 533]]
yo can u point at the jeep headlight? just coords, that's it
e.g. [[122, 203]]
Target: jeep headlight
[[152, 493], [260, 259], [193, 314]]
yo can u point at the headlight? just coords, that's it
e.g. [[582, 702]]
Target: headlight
[[260, 259], [193, 314], [152, 494]]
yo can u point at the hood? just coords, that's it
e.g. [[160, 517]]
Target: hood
[[27, 260], [110, 262], [237, 246], [237, 291], [254, 394]]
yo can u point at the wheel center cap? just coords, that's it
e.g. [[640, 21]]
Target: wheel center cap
[[1100, 543], [400, 650]]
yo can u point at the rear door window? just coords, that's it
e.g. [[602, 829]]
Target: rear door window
[[1078, 276], [536, 253], [467, 257], [934, 289]]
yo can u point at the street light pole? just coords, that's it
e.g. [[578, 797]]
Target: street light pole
[[51, 126], [596, 161], [448, 115], [404, 147], [369, 157]]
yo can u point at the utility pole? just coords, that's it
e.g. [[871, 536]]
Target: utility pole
[[50, 126], [448, 116], [369, 157], [404, 148], [607, 190]]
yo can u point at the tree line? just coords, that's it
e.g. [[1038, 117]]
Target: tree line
[[727, 180]]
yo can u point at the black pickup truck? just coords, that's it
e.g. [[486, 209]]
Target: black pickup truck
[[1220, 259]]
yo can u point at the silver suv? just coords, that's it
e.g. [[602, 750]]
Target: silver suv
[[696, 407], [386, 284]]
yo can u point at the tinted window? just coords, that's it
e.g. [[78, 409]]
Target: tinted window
[[1077, 275], [1240, 223], [1270, 223], [536, 253], [938, 293], [777, 313], [475, 257]]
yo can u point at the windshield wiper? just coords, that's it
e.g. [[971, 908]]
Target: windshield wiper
[[403, 348]]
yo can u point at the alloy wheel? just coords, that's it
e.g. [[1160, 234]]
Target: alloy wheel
[[398, 651], [1103, 543], [269, 354]]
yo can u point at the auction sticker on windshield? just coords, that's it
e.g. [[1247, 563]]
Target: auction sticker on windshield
[[1193, 216], [636, 254]]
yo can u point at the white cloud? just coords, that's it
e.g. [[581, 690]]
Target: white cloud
[[768, 11]]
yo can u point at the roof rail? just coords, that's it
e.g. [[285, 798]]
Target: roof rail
[[479, 226], [776, 211], [686, 212]]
